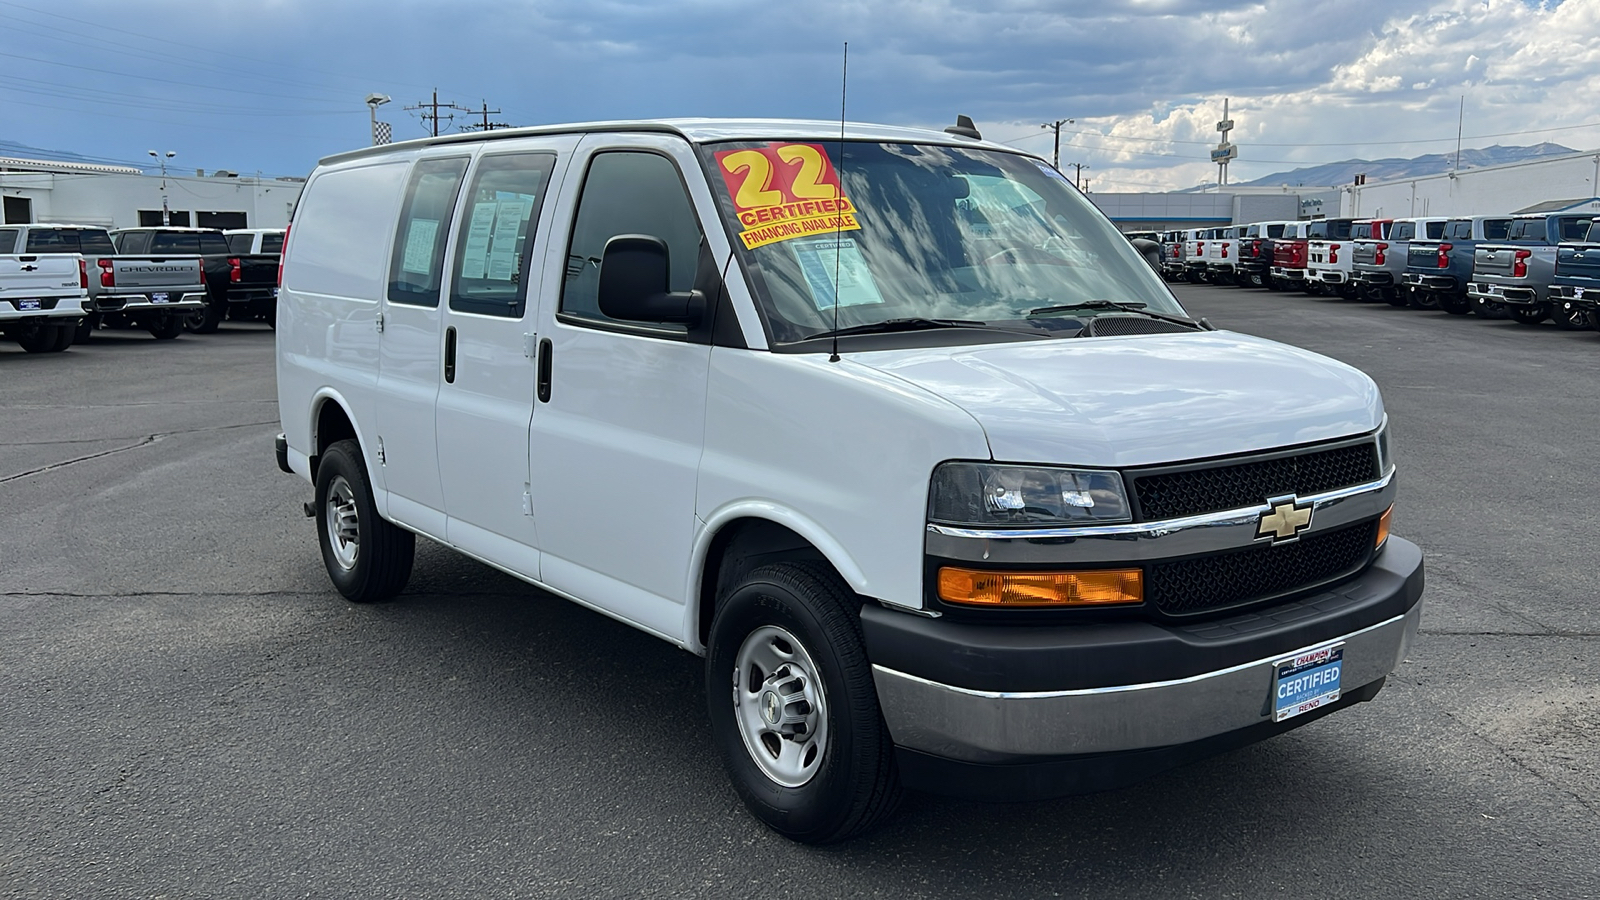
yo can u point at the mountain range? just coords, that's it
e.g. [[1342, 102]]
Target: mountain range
[[1395, 168]]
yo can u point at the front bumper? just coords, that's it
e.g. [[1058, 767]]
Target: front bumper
[[149, 302], [1088, 695]]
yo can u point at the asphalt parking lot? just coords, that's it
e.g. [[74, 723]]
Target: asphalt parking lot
[[188, 710]]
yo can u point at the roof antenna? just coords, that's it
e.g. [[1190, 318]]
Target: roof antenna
[[838, 220]]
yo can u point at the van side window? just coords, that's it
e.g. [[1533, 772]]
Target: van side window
[[416, 268], [629, 192], [495, 243]]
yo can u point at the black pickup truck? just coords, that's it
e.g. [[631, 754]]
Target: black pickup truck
[[239, 286]]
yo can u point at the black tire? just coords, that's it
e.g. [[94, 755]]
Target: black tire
[[383, 552], [1395, 297], [854, 783], [207, 319], [66, 335], [1454, 304], [86, 327], [41, 338], [167, 327], [1528, 315], [1568, 318], [1488, 309]]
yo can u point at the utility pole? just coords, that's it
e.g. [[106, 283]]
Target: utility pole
[[485, 125], [166, 211], [1055, 157], [1077, 178], [433, 115]]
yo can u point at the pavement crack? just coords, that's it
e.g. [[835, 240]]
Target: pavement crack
[[141, 442], [1508, 756]]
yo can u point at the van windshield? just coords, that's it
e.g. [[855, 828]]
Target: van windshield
[[895, 232]]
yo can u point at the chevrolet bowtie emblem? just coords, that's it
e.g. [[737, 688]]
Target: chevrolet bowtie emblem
[[1284, 521]]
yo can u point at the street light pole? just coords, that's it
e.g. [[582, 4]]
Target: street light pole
[[166, 211], [1055, 157], [373, 102]]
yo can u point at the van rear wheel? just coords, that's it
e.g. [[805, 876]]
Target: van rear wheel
[[368, 559], [793, 708]]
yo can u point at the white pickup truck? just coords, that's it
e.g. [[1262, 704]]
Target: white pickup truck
[[41, 300], [1330, 254], [152, 292]]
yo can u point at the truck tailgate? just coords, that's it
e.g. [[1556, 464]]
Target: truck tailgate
[[1578, 263], [49, 274], [257, 270], [162, 273], [1494, 259]]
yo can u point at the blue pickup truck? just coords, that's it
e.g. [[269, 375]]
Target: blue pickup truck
[[1575, 290], [1438, 272], [1515, 276]]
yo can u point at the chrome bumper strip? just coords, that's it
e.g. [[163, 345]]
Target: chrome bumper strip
[[1001, 726], [1206, 533]]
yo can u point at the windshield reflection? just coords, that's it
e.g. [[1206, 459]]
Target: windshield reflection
[[895, 232]]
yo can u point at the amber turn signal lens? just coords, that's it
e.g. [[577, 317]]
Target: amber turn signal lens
[[1033, 590], [1383, 526]]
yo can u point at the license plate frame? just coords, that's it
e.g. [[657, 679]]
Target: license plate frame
[[160, 297], [30, 305], [1306, 681]]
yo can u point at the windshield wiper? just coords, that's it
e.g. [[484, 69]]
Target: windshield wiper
[[1140, 308], [888, 326]]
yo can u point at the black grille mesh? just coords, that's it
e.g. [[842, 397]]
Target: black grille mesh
[[1204, 583], [1170, 495], [1111, 325]]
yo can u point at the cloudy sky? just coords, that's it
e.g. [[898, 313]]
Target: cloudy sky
[[271, 85]]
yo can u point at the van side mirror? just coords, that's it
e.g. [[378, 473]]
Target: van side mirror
[[634, 281]]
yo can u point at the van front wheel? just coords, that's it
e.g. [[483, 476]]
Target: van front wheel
[[793, 709], [368, 559]]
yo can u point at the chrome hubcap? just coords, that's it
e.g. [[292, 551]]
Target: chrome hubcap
[[342, 523], [779, 705]]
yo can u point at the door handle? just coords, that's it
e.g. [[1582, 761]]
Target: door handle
[[450, 355], [545, 352]]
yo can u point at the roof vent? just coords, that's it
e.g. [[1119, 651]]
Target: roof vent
[[964, 128]]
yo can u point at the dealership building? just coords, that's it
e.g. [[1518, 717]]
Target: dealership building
[[124, 197]]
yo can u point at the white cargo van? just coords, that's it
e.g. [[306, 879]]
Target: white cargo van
[[893, 428]]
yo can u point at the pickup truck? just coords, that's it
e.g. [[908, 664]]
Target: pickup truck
[[1515, 276], [1254, 249], [41, 297], [239, 285], [1438, 271], [1379, 261], [1328, 257], [1194, 253], [1172, 255], [155, 293], [1222, 255], [1288, 270], [1575, 290]]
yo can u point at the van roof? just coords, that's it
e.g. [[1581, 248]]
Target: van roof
[[698, 131]]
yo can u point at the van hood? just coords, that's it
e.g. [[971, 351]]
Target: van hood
[[1143, 399]]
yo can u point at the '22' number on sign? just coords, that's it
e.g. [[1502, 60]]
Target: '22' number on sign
[[756, 188]]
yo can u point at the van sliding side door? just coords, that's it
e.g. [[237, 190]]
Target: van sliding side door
[[498, 274], [410, 345]]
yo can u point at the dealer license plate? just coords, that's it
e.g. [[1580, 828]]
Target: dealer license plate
[[1307, 681], [1577, 293], [160, 298], [28, 304]]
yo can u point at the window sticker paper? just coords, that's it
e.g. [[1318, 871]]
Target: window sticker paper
[[420, 236], [818, 264], [785, 191], [474, 260]]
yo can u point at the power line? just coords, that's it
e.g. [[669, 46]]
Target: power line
[[432, 117], [486, 125]]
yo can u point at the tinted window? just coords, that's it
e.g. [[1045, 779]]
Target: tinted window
[[1497, 229], [8, 240], [1403, 231], [416, 269], [272, 243], [213, 244], [176, 242], [1435, 230], [1318, 230], [1461, 231], [1593, 237], [495, 243], [240, 243], [1274, 231], [132, 242], [1361, 231], [51, 240], [629, 193], [1572, 228]]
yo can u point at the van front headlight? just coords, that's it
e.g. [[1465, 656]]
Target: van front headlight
[[990, 495], [1385, 460]]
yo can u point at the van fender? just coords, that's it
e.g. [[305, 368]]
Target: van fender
[[778, 514], [328, 394]]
